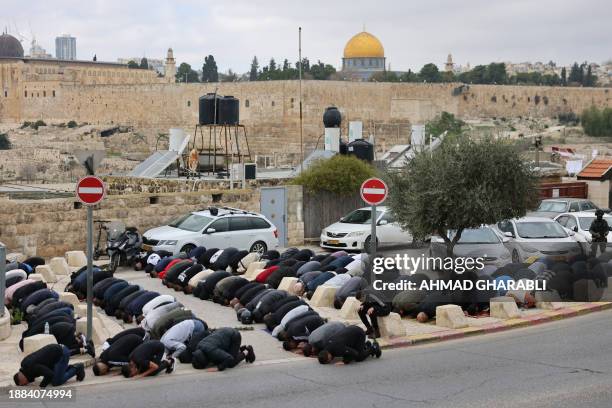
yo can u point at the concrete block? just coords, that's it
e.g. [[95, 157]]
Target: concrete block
[[253, 270], [504, 307], [36, 342], [287, 283], [81, 310], [47, 274], [99, 333], [76, 259], [15, 257], [350, 308], [450, 316], [391, 326], [69, 297], [36, 277], [323, 296], [5, 325], [59, 266]]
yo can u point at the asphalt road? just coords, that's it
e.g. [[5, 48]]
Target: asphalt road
[[562, 364]]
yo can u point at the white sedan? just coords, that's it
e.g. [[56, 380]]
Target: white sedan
[[539, 237], [353, 232], [580, 222]]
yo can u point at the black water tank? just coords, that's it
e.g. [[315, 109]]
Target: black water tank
[[332, 117], [229, 111], [206, 106], [343, 147], [362, 149]]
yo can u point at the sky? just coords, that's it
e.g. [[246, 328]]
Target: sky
[[413, 32]]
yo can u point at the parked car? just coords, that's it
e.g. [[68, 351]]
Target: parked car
[[538, 236], [551, 207], [214, 228], [580, 222], [353, 231], [484, 242]]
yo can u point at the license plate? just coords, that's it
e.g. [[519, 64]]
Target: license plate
[[147, 247], [333, 242]]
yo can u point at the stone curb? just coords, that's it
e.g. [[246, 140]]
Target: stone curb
[[544, 317]]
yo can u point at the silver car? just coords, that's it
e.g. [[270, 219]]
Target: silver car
[[551, 207], [535, 237], [483, 242]]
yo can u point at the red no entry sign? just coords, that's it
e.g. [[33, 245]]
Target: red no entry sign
[[374, 191], [90, 190]]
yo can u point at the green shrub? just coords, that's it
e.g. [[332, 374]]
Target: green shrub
[[72, 124], [38, 124], [26, 124], [5, 143], [597, 122], [341, 175]]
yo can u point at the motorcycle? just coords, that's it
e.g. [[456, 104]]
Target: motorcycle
[[123, 245]]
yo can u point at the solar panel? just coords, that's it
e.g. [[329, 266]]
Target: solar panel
[[155, 164]]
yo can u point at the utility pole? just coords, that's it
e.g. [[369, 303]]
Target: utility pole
[[301, 115]]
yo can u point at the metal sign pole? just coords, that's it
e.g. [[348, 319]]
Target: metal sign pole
[[89, 271], [373, 235], [2, 276]]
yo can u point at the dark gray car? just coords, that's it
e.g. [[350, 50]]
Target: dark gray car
[[482, 242]]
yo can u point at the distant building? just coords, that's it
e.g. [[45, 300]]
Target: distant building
[[65, 47], [449, 66], [36, 51], [364, 55]]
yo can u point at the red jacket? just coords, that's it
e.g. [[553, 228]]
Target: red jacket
[[263, 275], [162, 274]]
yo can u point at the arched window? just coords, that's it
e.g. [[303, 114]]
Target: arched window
[[246, 103]]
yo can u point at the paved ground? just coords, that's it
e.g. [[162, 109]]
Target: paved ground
[[563, 364]]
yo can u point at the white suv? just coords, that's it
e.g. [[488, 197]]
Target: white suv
[[221, 227]]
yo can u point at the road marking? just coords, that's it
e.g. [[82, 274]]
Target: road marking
[[90, 190], [374, 191]]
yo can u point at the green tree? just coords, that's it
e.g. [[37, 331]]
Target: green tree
[[210, 72], [576, 74], [409, 77], [184, 73], [286, 65], [461, 184], [132, 64], [231, 76], [254, 72], [444, 122], [430, 73], [272, 66], [384, 76], [341, 174], [590, 79], [563, 76], [322, 71], [144, 63], [596, 122], [5, 143]]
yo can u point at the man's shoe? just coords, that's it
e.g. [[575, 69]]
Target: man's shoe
[[171, 364], [376, 351], [90, 348], [80, 372], [250, 357]]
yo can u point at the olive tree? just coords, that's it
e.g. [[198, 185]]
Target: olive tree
[[462, 184]]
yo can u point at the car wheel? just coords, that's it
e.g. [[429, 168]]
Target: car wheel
[[260, 247], [516, 258], [366, 244], [187, 248]]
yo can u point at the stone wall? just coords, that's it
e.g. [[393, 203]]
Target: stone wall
[[51, 227], [270, 110]]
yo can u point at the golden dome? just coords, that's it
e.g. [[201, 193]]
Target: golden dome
[[364, 45]]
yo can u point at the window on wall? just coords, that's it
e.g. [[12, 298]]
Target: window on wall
[[188, 103], [272, 103], [246, 103], [6, 94], [44, 94], [54, 94], [25, 94]]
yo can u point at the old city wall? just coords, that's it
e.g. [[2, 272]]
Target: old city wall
[[270, 110], [51, 227]]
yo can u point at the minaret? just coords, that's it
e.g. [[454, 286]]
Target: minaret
[[448, 67], [170, 68]]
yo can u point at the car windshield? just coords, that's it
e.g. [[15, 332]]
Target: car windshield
[[359, 217], [191, 222], [552, 206], [476, 236], [540, 229], [585, 222]]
